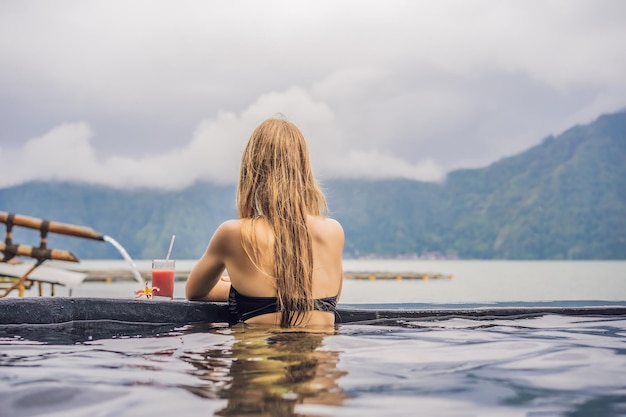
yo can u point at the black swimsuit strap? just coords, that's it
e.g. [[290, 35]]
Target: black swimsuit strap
[[243, 307]]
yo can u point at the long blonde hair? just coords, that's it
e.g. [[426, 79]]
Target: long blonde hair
[[276, 184]]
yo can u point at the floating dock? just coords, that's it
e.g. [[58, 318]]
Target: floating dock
[[395, 276], [124, 275]]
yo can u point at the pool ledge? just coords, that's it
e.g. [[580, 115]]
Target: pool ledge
[[53, 310]]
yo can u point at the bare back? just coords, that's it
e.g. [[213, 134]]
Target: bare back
[[254, 279]]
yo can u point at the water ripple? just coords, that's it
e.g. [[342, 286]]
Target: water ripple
[[542, 366]]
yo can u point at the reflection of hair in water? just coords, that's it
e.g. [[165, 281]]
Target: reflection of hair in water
[[271, 372]]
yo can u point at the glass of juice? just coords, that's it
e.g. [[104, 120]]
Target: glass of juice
[[163, 278]]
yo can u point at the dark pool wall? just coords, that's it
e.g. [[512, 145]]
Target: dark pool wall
[[51, 310]]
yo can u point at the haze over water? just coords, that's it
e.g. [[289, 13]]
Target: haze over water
[[471, 281]]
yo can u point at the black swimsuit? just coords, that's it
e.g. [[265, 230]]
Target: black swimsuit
[[243, 307]]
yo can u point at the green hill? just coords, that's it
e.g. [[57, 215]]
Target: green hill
[[562, 199]]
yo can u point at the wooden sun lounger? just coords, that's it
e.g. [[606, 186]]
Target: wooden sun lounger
[[17, 277]]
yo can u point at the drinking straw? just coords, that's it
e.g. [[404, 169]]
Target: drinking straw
[[169, 251]]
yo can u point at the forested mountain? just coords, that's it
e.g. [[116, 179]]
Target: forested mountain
[[562, 199]]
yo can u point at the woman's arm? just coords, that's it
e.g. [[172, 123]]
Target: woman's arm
[[220, 292], [204, 283]]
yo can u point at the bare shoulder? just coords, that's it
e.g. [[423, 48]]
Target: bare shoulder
[[227, 233], [334, 225], [230, 226], [326, 226]]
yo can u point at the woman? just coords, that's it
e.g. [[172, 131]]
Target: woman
[[283, 256]]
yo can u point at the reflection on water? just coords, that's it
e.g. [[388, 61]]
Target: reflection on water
[[541, 366], [268, 373]]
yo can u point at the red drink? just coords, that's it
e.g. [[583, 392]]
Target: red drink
[[164, 280]]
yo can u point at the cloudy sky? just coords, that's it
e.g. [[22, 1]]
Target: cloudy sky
[[164, 93]]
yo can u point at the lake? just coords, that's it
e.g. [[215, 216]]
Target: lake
[[547, 365], [471, 281]]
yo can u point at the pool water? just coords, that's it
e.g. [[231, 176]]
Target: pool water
[[550, 365]]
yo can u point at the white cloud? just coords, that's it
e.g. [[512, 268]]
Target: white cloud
[[452, 82], [66, 153], [376, 165]]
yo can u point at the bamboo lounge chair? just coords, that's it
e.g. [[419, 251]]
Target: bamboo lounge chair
[[20, 276]]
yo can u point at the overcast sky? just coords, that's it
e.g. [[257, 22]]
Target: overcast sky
[[164, 93]]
